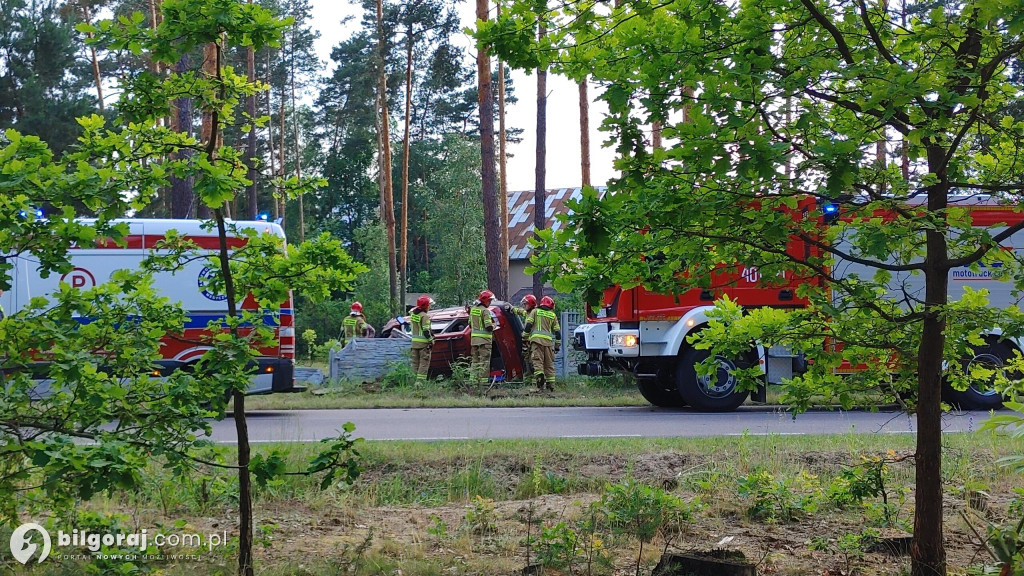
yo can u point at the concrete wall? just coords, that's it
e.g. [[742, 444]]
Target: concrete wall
[[367, 359]]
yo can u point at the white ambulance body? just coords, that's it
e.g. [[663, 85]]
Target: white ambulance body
[[187, 286]]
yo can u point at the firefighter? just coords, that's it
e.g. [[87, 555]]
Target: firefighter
[[355, 325], [481, 326], [526, 305], [422, 338], [545, 340]]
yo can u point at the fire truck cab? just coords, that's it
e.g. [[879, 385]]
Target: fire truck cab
[[644, 333]]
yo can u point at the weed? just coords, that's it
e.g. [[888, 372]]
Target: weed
[[438, 528], [480, 516], [771, 500], [849, 546], [541, 481]]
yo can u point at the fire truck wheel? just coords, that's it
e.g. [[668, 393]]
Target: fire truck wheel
[[981, 395], [654, 392], [715, 393]]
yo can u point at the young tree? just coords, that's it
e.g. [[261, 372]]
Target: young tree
[[717, 194], [263, 269]]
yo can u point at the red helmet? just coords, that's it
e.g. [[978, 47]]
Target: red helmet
[[530, 301], [547, 302], [424, 302], [357, 307], [485, 297]]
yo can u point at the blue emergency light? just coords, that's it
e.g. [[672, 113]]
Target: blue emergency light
[[263, 216], [831, 212], [38, 213]]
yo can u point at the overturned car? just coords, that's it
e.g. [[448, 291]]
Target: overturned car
[[450, 327]]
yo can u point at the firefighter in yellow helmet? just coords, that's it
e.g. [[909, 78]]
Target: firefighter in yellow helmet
[[355, 325], [545, 339], [422, 338], [481, 326]]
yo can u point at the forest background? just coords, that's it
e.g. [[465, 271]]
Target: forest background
[[323, 120]]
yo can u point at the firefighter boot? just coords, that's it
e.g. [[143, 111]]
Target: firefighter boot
[[550, 384], [540, 382]]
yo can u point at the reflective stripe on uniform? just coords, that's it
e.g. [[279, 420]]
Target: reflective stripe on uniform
[[476, 323], [417, 328], [350, 326], [543, 330]]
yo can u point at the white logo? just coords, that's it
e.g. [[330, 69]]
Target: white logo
[[23, 549]]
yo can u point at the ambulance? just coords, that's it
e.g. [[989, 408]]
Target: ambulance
[[188, 286]]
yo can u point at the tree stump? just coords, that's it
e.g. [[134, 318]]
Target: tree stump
[[712, 563]]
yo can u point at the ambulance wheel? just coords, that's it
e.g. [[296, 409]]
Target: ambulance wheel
[[656, 393], [981, 395], [715, 393]]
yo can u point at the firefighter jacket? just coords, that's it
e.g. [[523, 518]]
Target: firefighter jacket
[[542, 327], [422, 337], [355, 326], [480, 324]]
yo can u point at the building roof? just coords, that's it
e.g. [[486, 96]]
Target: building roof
[[520, 216]]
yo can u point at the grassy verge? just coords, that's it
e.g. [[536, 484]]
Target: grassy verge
[[399, 390], [795, 505]]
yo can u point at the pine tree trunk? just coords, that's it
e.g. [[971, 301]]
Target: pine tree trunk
[[488, 181], [584, 134], [208, 133], [270, 139], [403, 265], [503, 285], [539, 192], [295, 134], [252, 207], [280, 150], [97, 77], [182, 195], [384, 136]]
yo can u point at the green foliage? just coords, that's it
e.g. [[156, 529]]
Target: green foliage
[[642, 512], [772, 500], [479, 518], [850, 546]]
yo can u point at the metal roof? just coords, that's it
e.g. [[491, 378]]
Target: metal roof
[[520, 216]]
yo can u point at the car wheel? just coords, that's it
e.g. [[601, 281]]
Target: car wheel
[[715, 393]]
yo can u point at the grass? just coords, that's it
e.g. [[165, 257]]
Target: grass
[[472, 507], [398, 392]]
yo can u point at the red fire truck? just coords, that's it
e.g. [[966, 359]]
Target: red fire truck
[[189, 286], [644, 333]]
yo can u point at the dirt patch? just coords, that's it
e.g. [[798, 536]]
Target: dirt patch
[[501, 533]]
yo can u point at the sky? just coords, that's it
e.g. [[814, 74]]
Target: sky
[[563, 138]]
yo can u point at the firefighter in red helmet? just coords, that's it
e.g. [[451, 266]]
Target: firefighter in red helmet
[[422, 338], [355, 325], [545, 336], [526, 306], [481, 326]]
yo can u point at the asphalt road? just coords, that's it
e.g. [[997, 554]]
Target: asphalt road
[[429, 424]]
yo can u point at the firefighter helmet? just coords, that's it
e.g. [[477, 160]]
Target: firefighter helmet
[[530, 301], [357, 308], [547, 302], [485, 297], [424, 302]]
